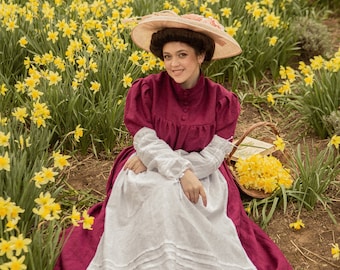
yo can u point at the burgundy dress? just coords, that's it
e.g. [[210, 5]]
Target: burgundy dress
[[188, 120]]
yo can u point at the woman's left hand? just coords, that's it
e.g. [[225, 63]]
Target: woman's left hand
[[135, 164], [192, 187]]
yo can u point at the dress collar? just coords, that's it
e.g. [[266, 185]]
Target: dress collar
[[195, 93]]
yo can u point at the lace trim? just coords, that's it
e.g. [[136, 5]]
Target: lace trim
[[188, 259]]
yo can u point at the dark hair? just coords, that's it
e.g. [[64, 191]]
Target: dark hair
[[201, 43]]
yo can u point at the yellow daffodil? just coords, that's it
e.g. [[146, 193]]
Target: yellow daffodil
[[268, 3], [20, 114], [91, 49], [93, 66], [247, 209], [4, 139], [270, 98], [335, 140], [127, 80], [175, 9], [14, 211], [285, 88], [48, 11], [31, 82], [35, 94], [12, 225], [309, 79], [23, 42], [250, 7], [3, 89], [95, 86], [257, 13], [128, 11], [48, 174], [44, 199], [59, 63], [4, 207], [11, 25], [60, 161], [81, 75], [231, 30], [47, 208], [261, 172], [3, 121], [121, 46], [226, 12], [75, 84], [279, 143], [335, 251], [273, 41], [20, 244], [316, 62], [17, 263], [81, 61], [53, 78], [282, 72], [52, 36], [5, 163], [6, 248], [134, 58], [87, 221], [167, 5], [75, 217], [39, 179], [78, 133], [297, 225], [290, 74], [40, 113], [271, 20], [20, 87]]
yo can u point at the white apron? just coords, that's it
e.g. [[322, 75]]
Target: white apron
[[150, 224]]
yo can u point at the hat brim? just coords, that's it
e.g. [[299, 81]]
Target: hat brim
[[225, 45]]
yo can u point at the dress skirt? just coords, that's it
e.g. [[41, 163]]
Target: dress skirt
[[150, 224]]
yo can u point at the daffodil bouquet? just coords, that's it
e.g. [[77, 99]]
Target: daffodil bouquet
[[263, 173]]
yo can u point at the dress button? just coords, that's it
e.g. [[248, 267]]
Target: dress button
[[184, 117]]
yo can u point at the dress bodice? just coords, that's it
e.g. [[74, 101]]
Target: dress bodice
[[185, 118]]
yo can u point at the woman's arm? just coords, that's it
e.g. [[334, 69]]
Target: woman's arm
[[210, 158], [156, 155]]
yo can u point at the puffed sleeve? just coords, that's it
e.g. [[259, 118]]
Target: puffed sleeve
[[137, 112], [227, 112]]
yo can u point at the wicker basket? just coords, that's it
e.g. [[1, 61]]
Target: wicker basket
[[250, 192]]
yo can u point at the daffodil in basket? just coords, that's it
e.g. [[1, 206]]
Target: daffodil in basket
[[263, 174]]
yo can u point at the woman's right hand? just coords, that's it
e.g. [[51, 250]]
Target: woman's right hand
[[192, 187], [135, 164]]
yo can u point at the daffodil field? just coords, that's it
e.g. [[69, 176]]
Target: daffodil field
[[65, 68]]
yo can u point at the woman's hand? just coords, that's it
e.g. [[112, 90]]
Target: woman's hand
[[193, 187], [135, 164]]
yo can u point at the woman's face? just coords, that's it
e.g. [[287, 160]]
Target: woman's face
[[182, 63]]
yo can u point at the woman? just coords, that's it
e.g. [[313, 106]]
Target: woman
[[171, 200]]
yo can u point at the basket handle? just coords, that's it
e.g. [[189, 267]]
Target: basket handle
[[246, 133]]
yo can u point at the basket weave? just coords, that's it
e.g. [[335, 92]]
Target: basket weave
[[259, 194]]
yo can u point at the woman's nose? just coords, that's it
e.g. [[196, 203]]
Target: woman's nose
[[174, 62]]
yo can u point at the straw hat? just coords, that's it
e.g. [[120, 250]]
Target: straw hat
[[225, 45]]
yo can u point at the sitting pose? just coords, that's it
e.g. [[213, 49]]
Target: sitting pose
[[171, 200]]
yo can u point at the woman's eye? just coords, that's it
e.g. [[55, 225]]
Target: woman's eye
[[166, 57], [182, 55]]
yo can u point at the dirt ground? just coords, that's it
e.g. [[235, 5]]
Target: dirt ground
[[306, 249]]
